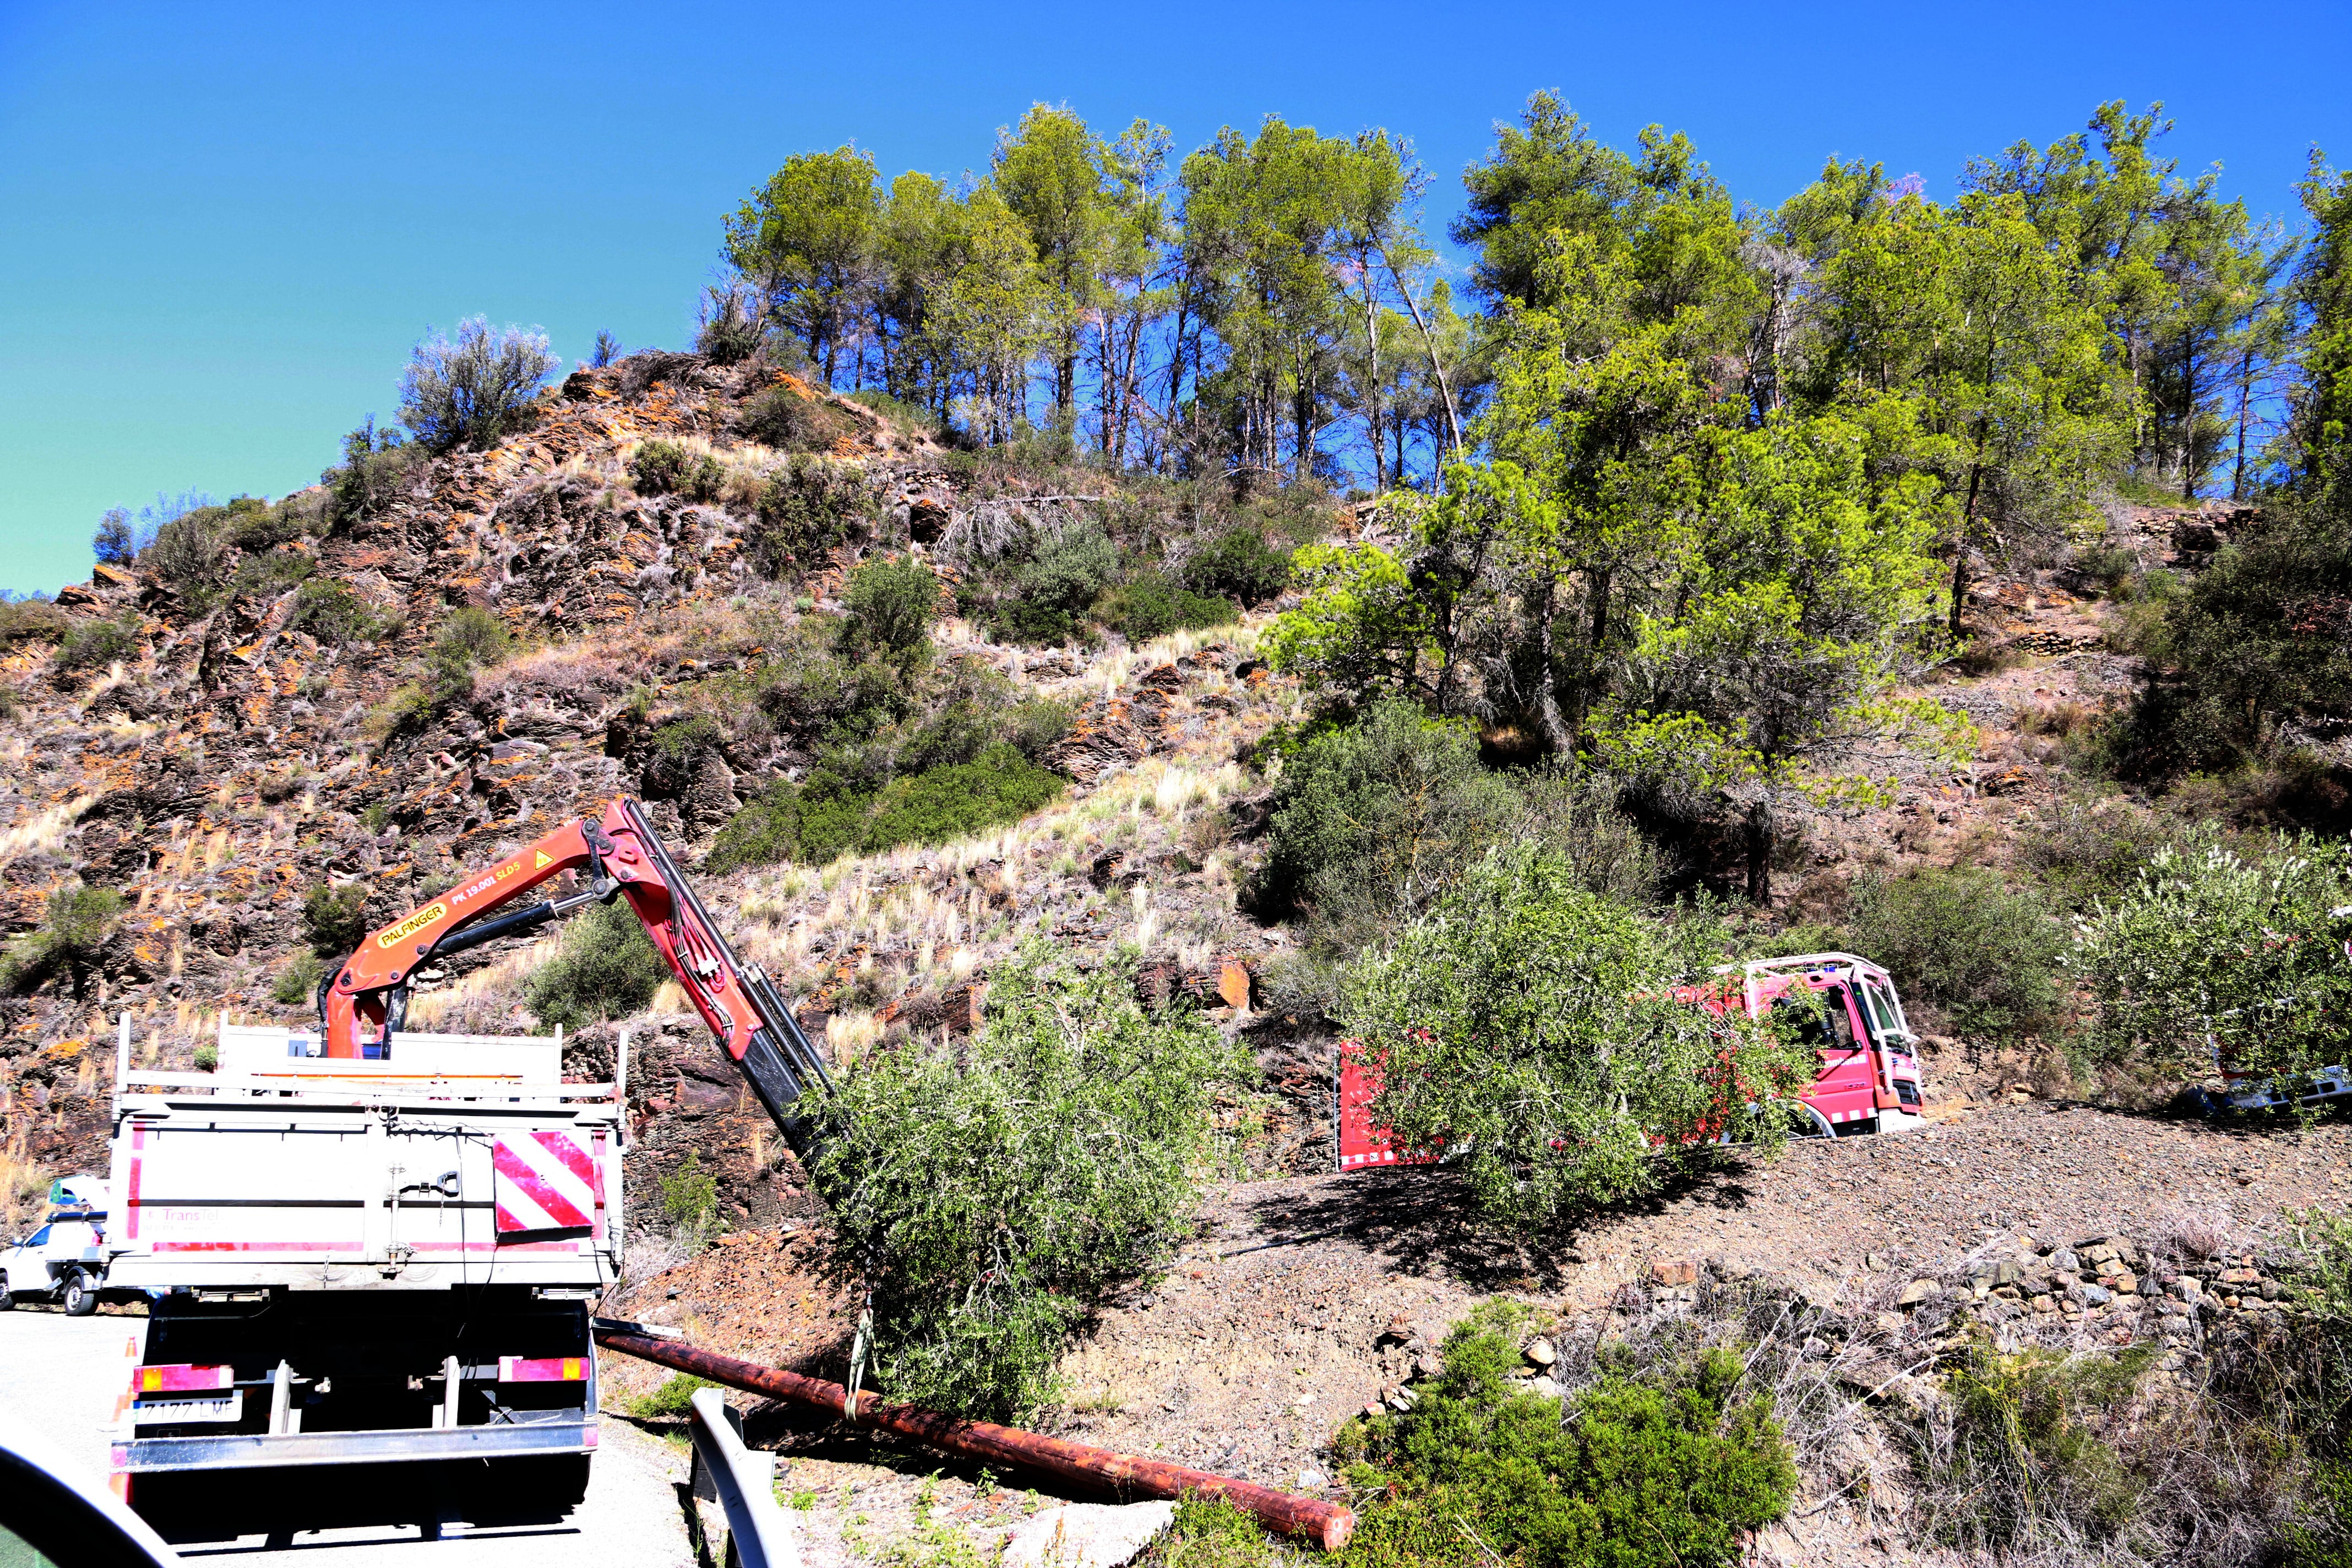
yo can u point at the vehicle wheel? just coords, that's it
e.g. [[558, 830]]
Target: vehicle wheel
[[7, 1297], [79, 1300]]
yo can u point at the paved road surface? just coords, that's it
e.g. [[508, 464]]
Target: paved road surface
[[62, 1375]]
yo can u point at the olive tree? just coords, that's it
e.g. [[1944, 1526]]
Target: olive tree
[[1532, 1029], [990, 1190]]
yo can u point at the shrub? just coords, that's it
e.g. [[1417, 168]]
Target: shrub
[[2210, 951], [207, 1057], [1148, 606], [890, 604], [375, 469], [803, 513], [992, 1192], [1664, 1470], [689, 1201], [471, 392], [334, 919], [2255, 645], [94, 643], [471, 640], [332, 613], [827, 816], [254, 524], [607, 968], [1980, 952], [188, 552], [1504, 1023], [661, 468], [730, 326], [607, 350], [790, 421], [672, 1400], [1369, 821], [272, 574], [1238, 564], [298, 982], [26, 620], [1057, 587], [68, 942], [115, 543]]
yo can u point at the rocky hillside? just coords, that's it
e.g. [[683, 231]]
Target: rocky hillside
[[284, 717]]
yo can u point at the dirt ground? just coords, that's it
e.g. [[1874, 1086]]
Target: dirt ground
[[1273, 1325]]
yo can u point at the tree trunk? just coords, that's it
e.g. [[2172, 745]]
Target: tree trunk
[[2245, 396], [1760, 835], [1436, 363], [1555, 732], [1967, 532]]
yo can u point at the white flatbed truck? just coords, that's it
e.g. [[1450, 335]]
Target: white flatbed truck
[[364, 1270]]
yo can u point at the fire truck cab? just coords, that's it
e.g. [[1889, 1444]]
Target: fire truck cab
[[1869, 1079]]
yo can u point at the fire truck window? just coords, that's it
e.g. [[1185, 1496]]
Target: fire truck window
[[38, 1238], [1821, 1020]]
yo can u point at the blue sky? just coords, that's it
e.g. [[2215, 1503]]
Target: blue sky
[[223, 227]]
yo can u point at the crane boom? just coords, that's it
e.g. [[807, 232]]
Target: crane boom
[[362, 1003]]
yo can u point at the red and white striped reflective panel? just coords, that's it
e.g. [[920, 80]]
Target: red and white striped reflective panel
[[544, 1369], [181, 1379], [544, 1181]]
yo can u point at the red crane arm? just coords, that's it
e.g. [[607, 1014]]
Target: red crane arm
[[362, 1003]]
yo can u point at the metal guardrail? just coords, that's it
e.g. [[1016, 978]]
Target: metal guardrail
[[758, 1533]]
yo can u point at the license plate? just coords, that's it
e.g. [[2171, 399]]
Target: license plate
[[153, 1409]]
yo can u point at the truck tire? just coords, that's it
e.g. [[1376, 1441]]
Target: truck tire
[[76, 1295], [537, 1488]]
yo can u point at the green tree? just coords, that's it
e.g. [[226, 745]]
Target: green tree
[[995, 314], [2002, 341], [1531, 1027], [1802, 581], [2322, 429], [70, 942], [806, 237], [1058, 177]]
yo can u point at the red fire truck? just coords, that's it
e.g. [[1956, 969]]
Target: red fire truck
[[1868, 1078]]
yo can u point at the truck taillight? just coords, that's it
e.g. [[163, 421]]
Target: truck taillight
[[544, 1369], [181, 1379]]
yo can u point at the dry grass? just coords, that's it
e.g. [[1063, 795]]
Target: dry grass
[[24, 1186]]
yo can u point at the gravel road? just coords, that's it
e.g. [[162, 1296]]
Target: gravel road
[[62, 1375]]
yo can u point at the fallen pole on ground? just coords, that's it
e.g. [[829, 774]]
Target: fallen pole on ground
[[1326, 1524]]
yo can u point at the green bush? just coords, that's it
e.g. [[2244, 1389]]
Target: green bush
[[375, 469], [189, 553], [474, 390], [2256, 645], [1666, 1470], [890, 605], [298, 982], [1983, 954], [94, 643], [1371, 820], [790, 422], [27, 620], [2214, 950], [2027, 1457], [469, 640], [731, 327], [334, 919], [1238, 564], [672, 1400], [1504, 1023], [827, 816], [330, 612], [607, 968], [992, 1191], [803, 513], [68, 942], [665, 468], [270, 575], [1051, 594], [689, 1201], [256, 526], [1148, 606]]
